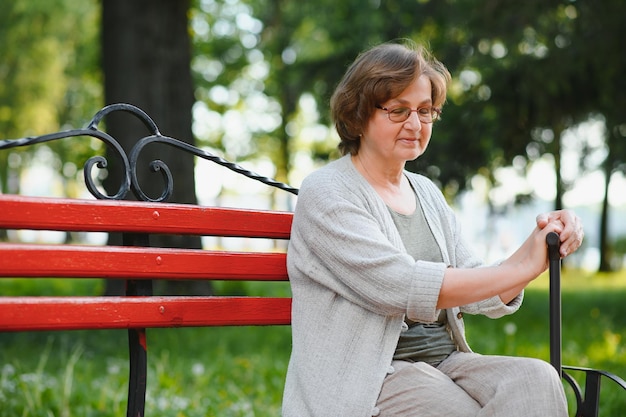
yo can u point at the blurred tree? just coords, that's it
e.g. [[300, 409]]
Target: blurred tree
[[599, 33], [146, 55], [50, 81], [532, 86]]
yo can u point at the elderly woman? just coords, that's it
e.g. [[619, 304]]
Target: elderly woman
[[381, 275]]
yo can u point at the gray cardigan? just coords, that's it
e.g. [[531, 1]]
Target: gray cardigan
[[353, 284]]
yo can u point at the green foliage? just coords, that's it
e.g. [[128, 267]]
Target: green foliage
[[50, 287], [49, 66], [50, 78]]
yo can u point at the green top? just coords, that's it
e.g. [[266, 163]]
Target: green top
[[422, 342]]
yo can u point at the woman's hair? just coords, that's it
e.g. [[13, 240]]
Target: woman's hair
[[376, 76]]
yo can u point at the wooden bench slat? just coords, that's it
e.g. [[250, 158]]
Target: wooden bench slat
[[76, 313], [44, 213], [73, 261]]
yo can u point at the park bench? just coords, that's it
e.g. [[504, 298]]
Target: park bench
[[139, 263]]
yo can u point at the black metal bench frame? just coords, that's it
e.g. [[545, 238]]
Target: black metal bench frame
[[587, 401]]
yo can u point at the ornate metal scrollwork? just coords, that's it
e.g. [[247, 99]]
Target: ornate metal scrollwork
[[129, 162], [160, 166], [98, 161]]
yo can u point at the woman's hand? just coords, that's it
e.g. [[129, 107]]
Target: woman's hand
[[572, 233], [531, 258]]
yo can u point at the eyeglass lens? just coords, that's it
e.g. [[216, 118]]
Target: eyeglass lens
[[401, 114]]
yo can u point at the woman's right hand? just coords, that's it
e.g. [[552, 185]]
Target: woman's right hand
[[532, 256], [572, 233]]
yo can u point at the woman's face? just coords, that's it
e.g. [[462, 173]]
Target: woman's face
[[398, 142]]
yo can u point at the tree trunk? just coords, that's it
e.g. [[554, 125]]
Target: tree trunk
[[146, 56], [605, 252], [558, 133]]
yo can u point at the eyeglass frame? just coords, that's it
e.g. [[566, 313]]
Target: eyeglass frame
[[435, 113]]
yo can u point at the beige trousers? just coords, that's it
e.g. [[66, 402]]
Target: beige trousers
[[473, 385]]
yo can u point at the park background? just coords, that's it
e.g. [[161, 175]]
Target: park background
[[534, 121]]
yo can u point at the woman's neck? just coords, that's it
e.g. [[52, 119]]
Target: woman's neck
[[390, 184], [377, 173]]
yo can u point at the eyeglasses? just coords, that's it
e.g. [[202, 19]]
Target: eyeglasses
[[401, 114]]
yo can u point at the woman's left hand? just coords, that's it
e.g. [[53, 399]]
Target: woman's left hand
[[572, 232]]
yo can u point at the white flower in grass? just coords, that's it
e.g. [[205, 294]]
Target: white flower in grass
[[243, 407], [113, 368], [197, 369], [510, 329], [29, 377], [8, 370], [162, 403], [180, 403], [6, 386]]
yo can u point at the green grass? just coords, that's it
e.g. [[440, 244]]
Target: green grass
[[239, 371]]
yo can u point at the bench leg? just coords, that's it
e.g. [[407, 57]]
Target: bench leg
[[587, 400], [138, 372], [590, 405], [138, 355]]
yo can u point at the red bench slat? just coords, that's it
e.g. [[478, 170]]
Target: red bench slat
[[75, 313], [42, 213], [73, 261]]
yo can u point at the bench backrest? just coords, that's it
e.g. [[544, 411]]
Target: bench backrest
[[139, 263]]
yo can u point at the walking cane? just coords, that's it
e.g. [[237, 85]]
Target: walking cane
[[554, 258]]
